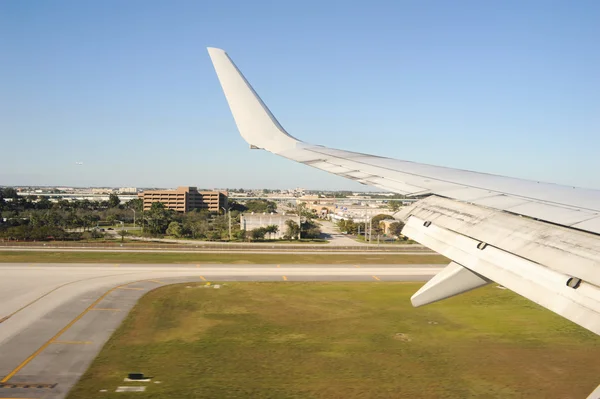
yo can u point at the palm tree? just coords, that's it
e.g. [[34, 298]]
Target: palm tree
[[271, 229]]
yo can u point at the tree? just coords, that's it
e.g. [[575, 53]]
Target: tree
[[44, 203], [350, 227], [396, 228], [158, 218], [310, 229], [240, 235], [113, 201], [271, 229], [43, 233], [97, 234], [302, 210], [174, 229], [236, 206], [261, 206], [376, 222], [258, 234], [9, 192], [73, 220], [197, 228], [378, 218], [213, 236], [136, 204], [62, 204], [88, 220], [394, 206], [123, 233], [293, 230]]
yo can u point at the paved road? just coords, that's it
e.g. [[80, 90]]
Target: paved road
[[55, 318], [333, 234], [264, 251]]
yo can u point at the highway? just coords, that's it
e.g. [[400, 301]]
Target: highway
[[55, 318]]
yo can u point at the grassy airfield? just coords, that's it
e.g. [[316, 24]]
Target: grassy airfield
[[343, 340], [232, 258]]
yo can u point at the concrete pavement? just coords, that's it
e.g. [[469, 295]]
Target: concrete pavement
[[331, 232], [55, 318]]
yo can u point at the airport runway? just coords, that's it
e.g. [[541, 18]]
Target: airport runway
[[55, 318]]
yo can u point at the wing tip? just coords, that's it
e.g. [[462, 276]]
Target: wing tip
[[215, 50], [254, 120]]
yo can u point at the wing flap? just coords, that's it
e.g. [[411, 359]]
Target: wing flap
[[453, 280], [561, 249], [579, 302]]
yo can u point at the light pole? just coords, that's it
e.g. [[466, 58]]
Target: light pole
[[229, 212], [370, 229]]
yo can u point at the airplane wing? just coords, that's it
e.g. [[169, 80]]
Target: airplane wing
[[538, 239]]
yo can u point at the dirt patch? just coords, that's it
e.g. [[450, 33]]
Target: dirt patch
[[402, 337], [288, 338], [189, 330]]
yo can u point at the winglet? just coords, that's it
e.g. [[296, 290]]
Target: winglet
[[453, 280], [256, 123]]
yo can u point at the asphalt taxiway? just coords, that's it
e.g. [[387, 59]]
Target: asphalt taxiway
[[55, 318]]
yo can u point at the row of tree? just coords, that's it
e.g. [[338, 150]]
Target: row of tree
[[378, 228], [11, 201], [33, 218], [197, 225], [40, 233]]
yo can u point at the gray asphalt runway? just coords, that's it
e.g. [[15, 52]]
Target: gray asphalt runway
[[55, 318]]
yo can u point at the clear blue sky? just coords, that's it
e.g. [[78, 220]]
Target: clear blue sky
[[127, 87]]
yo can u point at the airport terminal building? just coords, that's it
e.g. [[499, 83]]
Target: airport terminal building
[[185, 199]]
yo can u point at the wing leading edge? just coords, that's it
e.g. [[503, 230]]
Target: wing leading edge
[[550, 257], [568, 206]]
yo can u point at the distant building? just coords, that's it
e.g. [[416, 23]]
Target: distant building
[[311, 199], [185, 199], [251, 221], [103, 190], [127, 190]]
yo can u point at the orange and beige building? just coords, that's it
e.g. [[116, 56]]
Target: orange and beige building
[[185, 199]]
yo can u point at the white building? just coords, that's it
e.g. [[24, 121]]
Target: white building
[[251, 221]]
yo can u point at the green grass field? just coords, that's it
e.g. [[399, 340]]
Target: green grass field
[[343, 340], [238, 258]]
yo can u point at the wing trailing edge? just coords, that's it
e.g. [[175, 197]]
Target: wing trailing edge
[[549, 265]]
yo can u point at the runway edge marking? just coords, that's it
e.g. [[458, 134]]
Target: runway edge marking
[[72, 342], [61, 332], [56, 289]]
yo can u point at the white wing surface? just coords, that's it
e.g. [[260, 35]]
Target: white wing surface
[[538, 239]]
